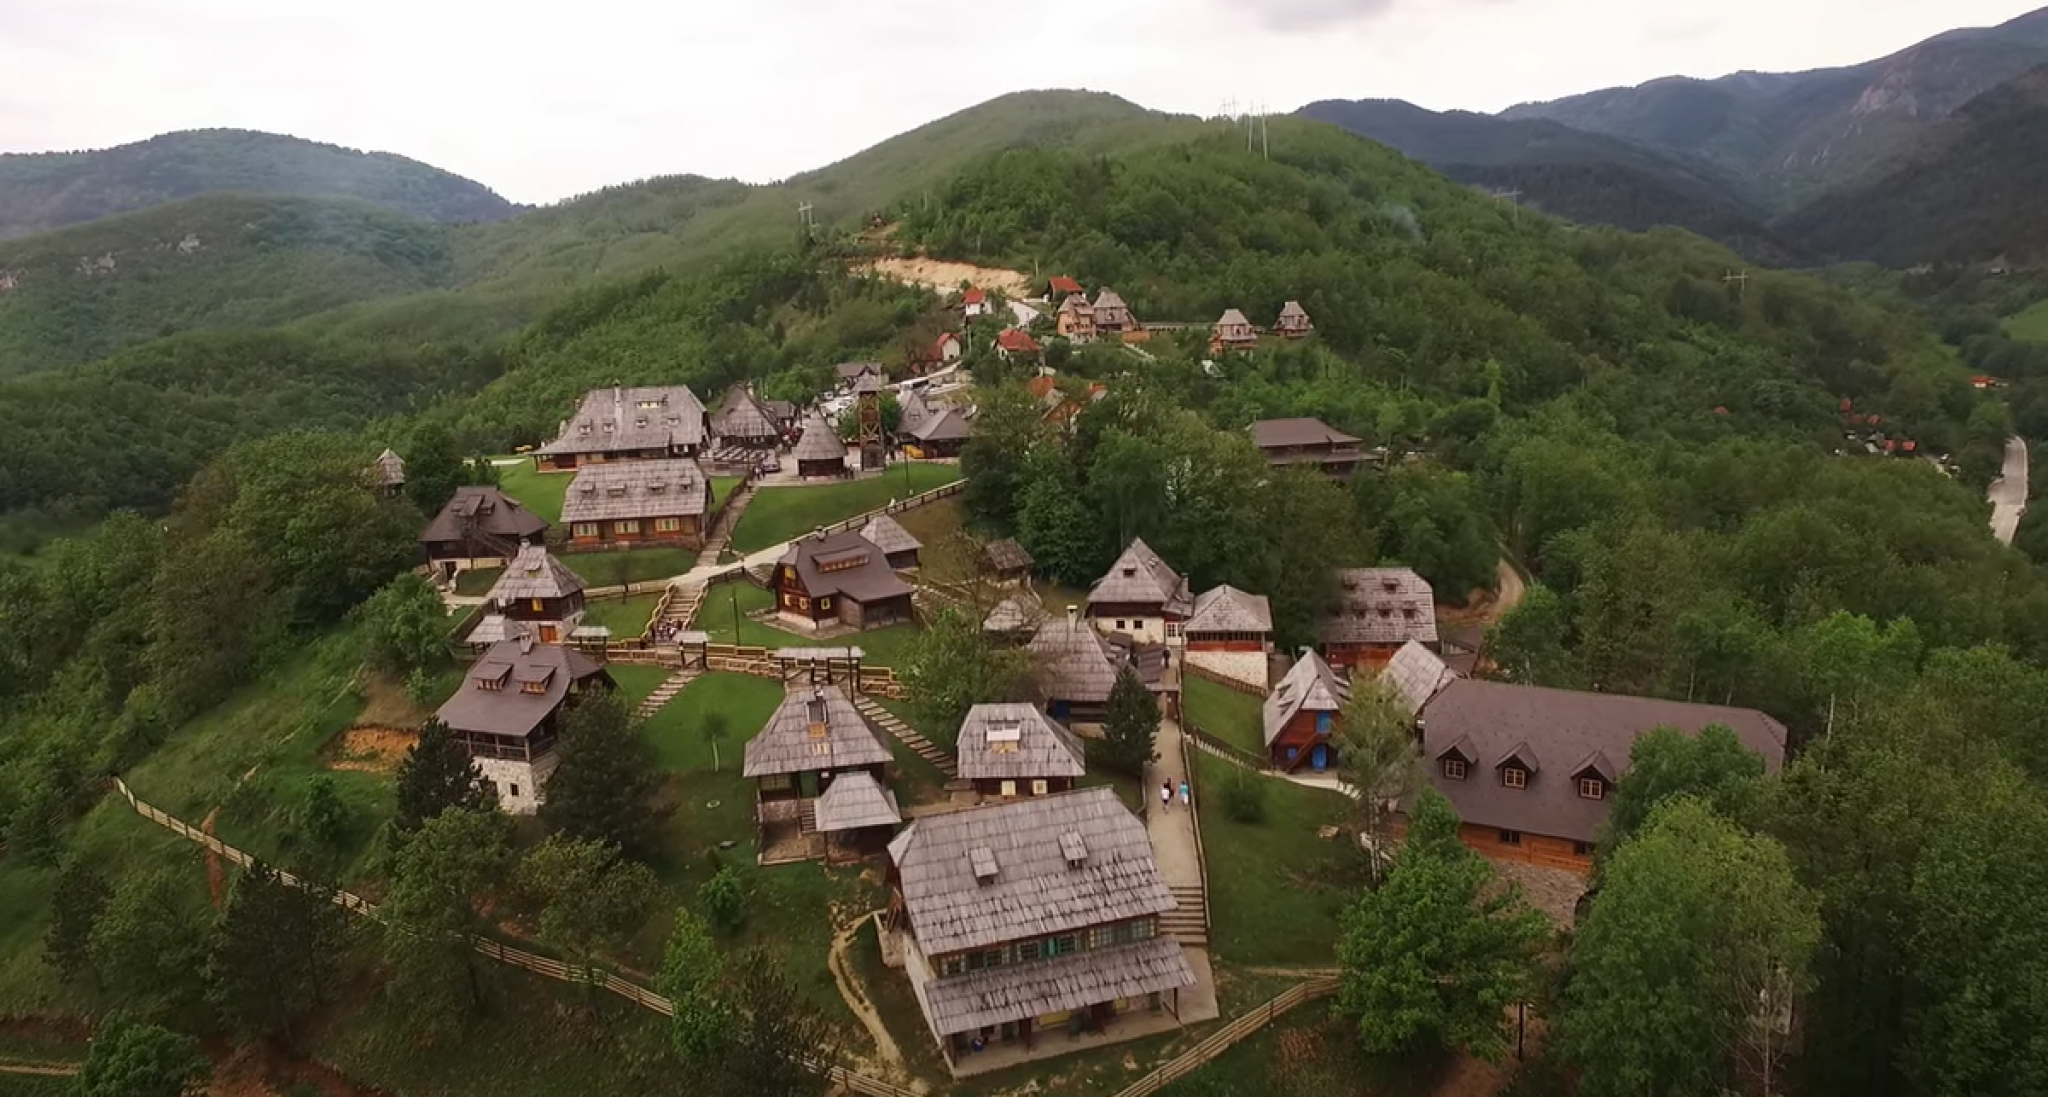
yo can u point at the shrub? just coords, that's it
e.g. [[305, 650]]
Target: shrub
[[724, 901], [1244, 797]]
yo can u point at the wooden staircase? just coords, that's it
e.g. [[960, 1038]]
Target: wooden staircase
[[1187, 921], [919, 745], [683, 604], [807, 817], [665, 692]]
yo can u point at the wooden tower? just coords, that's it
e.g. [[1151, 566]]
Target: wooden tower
[[868, 418]]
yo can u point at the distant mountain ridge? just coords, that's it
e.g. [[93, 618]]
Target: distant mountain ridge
[[42, 192], [1569, 173], [1794, 135]]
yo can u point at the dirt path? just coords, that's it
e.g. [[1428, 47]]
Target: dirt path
[[47, 1070], [888, 1057], [2008, 493]]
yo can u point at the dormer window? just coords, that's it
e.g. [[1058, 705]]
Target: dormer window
[[1592, 788], [1004, 738], [608, 427], [640, 422], [1454, 769], [583, 428], [1514, 777]]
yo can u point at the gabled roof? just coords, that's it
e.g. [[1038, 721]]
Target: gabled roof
[[843, 563], [949, 425], [1108, 299], [1596, 762], [1006, 555], [509, 710], [492, 511], [974, 295], [1076, 302], [1014, 614], [888, 534], [740, 415], [1141, 577], [617, 419], [1382, 606], [1521, 754], [1310, 686], [671, 488], [1417, 674], [1034, 890], [496, 627], [819, 442], [1289, 433], [847, 371], [1012, 742], [1012, 992], [1017, 341], [1490, 722], [785, 744], [1233, 318], [1228, 609], [534, 573], [1060, 283], [781, 411], [1073, 661], [855, 800], [390, 469]]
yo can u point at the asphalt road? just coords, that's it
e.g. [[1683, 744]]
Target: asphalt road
[[2009, 492]]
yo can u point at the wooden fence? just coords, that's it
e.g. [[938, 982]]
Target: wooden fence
[[943, 491], [1200, 671], [1187, 766], [1228, 1036], [1228, 751]]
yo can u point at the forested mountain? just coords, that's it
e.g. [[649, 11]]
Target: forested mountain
[[1970, 191], [1576, 175], [217, 261], [1795, 134], [40, 192]]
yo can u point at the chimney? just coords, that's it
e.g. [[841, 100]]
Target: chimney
[[1073, 616]]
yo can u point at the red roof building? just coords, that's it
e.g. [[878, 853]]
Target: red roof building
[[1062, 285], [1016, 341], [973, 296]]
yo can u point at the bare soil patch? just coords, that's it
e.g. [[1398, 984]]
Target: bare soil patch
[[945, 276], [370, 749], [385, 703]]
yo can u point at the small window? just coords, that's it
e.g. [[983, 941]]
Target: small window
[[515, 791], [1454, 769], [1292, 752], [993, 958], [1038, 788], [1028, 951], [1514, 777], [1120, 627], [537, 606], [1511, 837], [584, 529], [630, 525], [1009, 788], [1323, 723], [1592, 788], [667, 525], [1583, 849]]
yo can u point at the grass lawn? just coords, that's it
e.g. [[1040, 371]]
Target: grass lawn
[[541, 492], [778, 513], [722, 488], [36, 1085], [2031, 325], [636, 682], [477, 582], [882, 647], [746, 701], [622, 566], [1276, 891], [626, 617], [1307, 1052], [1224, 712]]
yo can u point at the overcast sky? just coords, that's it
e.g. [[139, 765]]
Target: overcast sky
[[545, 100]]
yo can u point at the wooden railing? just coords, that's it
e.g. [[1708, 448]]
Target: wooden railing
[[1228, 1036], [1187, 766], [1224, 680], [943, 491], [1228, 751]]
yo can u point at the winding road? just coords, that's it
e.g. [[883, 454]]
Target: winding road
[[2008, 493]]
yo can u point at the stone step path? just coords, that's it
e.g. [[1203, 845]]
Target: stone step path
[[919, 745], [1186, 921], [720, 538], [665, 692]]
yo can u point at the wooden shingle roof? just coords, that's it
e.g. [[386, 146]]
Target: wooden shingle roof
[[814, 728], [820, 442], [1073, 663], [1416, 673], [742, 416], [1310, 686], [1141, 577], [1034, 890], [888, 534], [999, 995], [620, 419], [493, 698], [855, 800], [669, 488], [1010, 742], [1382, 606], [534, 573], [390, 469], [1006, 555], [1228, 609], [490, 509]]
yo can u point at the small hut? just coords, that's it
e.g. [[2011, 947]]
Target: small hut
[[389, 470], [741, 420], [1076, 668], [896, 543], [820, 452], [1293, 323], [814, 739], [857, 816], [1011, 750], [1005, 561]]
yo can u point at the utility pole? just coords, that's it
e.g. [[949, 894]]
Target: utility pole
[[1740, 281], [1512, 198], [803, 212]]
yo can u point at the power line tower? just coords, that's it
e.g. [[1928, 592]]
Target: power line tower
[[803, 212], [1514, 200], [1740, 280]]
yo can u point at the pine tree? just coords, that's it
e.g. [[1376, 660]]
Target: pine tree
[[437, 774], [1129, 728], [273, 953], [607, 782], [76, 903]]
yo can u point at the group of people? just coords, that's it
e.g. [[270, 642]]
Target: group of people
[[665, 632], [1187, 796]]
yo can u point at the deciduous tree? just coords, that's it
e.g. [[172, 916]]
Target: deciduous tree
[[1528, 643], [404, 626], [1378, 758], [76, 904], [434, 913], [128, 1059], [591, 899], [607, 783], [148, 945], [692, 977], [953, 666], [1666, 763], [272, 954]]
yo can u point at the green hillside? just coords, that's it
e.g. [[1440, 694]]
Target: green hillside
[[219, 261], [41, 192]]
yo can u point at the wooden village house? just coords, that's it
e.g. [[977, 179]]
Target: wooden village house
[[481, 527], [742, 420], [1293, 322], [783, 413], [389, 472], [1230, 633], [820, 452], [1112, 316], [537, 592], [974, 302], [1016, 344], [1006, 562], [1075, 668], [857, 814], [637, 503], [1142, 597], [508, 713], [940, 434], [1034, 920], [850, 373], [814, 739], [1075, 319], [627, 424], [840, 579], [1233, 333], [1532, 770], [1379, 610], [898, 547], [1300, 716], [1290, 443], [1012, 750], [1059, 287]]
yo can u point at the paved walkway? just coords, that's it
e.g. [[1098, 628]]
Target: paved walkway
[[2009, 492], [1172, 830]]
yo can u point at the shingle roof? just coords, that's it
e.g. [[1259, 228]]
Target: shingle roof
[[1034, 890], [948, 425], [1382, 606], [785, 744], [1010, 741], [1228, 609], [493, 511], [1416, 673], [1292, 310], [390, 469], [615, 419], [742, 416], [1490, 721], [534, 573], [496, 627], [1005, 555], [1060, 283], [843, 563], [1109, 299], [888, 534], [819, 442], [1140, 577], [1073, 661], [1013, 614], [509, 709], [916, 409], [1311, 686], [1233, 318], [847, 371], [782, 411], [669, 488], [855, 800], [1076, 302], [994, 996], [1289, 433]]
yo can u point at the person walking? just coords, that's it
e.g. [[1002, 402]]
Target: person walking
[[1187, 796], [1166, 795]]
